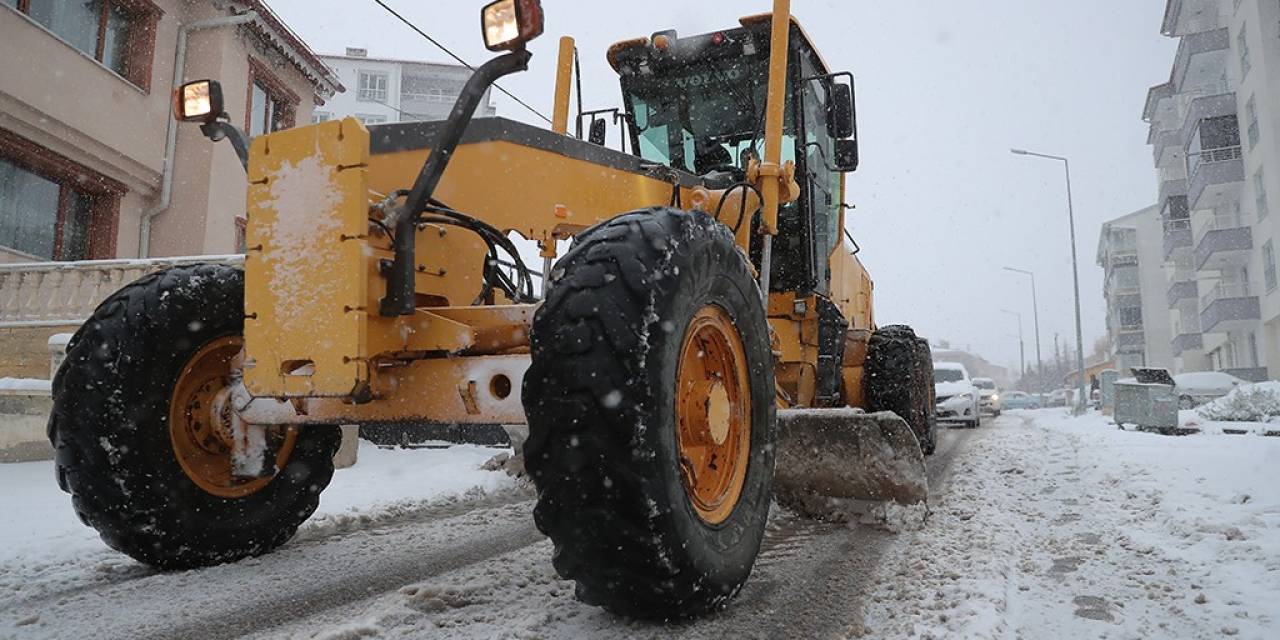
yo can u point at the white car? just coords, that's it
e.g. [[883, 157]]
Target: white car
[[989, 394], [957, 399], [1198, 387]]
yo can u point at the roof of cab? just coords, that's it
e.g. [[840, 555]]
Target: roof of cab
[[745, 21]]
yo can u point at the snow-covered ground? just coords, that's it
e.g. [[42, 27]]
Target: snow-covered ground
[[1043, 526], [43, 546], [1061, 527]]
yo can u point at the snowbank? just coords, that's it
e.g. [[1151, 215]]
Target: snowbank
[[25, 385], [1246, 403]]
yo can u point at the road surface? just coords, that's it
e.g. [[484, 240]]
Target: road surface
[[473, 568]]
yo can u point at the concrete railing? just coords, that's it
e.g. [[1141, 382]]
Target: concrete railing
[[1224, 290], [35, 294]]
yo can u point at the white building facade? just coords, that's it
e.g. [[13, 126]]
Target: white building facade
[[382, 90], [1131, 254], [1217, 154]]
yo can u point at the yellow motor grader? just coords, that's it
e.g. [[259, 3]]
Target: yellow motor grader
[[708, 322]]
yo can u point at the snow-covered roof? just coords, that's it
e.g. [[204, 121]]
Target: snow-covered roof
[[276, 33]]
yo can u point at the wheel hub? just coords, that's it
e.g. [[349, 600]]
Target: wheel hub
[[201, 424], [713, 414]]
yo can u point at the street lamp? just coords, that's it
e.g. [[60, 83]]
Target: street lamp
[[1075, 275], [1022, 352], [1035, 312]]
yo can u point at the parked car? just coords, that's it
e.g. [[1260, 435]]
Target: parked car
[[957, 397], [989, 395], [1058, 397], [1198, 387], [1019, 400]]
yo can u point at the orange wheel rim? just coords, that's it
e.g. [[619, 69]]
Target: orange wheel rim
[[713, 405], [200, 424]]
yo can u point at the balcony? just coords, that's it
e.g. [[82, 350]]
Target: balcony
[[1201, 59], [1130, 337], [1183, 17], [1177, 235], [1185, 342], [1229, 307], [1223, 242], [1183, 288], [1124, 257]]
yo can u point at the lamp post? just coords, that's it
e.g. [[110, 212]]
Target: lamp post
[[1022, 352], [1035, 312], [1075, 275]]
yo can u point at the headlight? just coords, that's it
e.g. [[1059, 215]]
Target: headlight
[[509, 24], [995, 396], [199, 101]]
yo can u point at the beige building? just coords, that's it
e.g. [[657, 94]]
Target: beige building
[[92, 166]]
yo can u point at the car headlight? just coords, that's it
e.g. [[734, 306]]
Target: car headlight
[[995, 396]]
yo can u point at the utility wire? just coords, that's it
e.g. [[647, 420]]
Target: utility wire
[[455, 57]]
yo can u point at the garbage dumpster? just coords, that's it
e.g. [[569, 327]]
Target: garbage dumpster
[[1147, 401]]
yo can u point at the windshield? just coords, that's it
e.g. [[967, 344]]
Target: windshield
[[703, 116], [984, 384], [947, 375]]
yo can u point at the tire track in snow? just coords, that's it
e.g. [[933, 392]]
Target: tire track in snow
[[295, 582], [112, 569]]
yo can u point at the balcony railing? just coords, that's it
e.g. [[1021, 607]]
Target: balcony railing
[[1227, 237], [1184, 342], [1218, 223], [1211, 156], [37, 294], [1224, 290]]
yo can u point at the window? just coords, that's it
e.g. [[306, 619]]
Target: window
[[372, 87], [1242, 43], [118, 33], [271, 105], [368, 118], [1251, 112], [1260, 194], [51, 208], [1269, 265], [320, 116]]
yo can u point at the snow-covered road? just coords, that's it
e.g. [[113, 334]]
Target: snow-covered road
[[1059, 527], [1043, 526]]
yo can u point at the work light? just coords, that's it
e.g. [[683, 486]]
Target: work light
[[509, 24], [199, 101]]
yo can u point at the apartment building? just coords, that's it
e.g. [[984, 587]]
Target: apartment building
[[1131, 254], [1218, 239], [92, 166], [390, 90]]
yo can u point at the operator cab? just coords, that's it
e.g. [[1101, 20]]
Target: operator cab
[[697, 104]]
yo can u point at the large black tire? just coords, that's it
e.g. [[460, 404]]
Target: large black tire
[[899, 378], [600, 401], [110, 429]]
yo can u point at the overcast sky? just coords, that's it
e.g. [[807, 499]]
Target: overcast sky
[[945, 89]]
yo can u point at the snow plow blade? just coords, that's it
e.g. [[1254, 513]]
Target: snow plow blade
[[833, 463]]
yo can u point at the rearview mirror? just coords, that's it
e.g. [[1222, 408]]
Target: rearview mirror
[[846, 155], [840, 116], [509, 24], [199, 101]]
